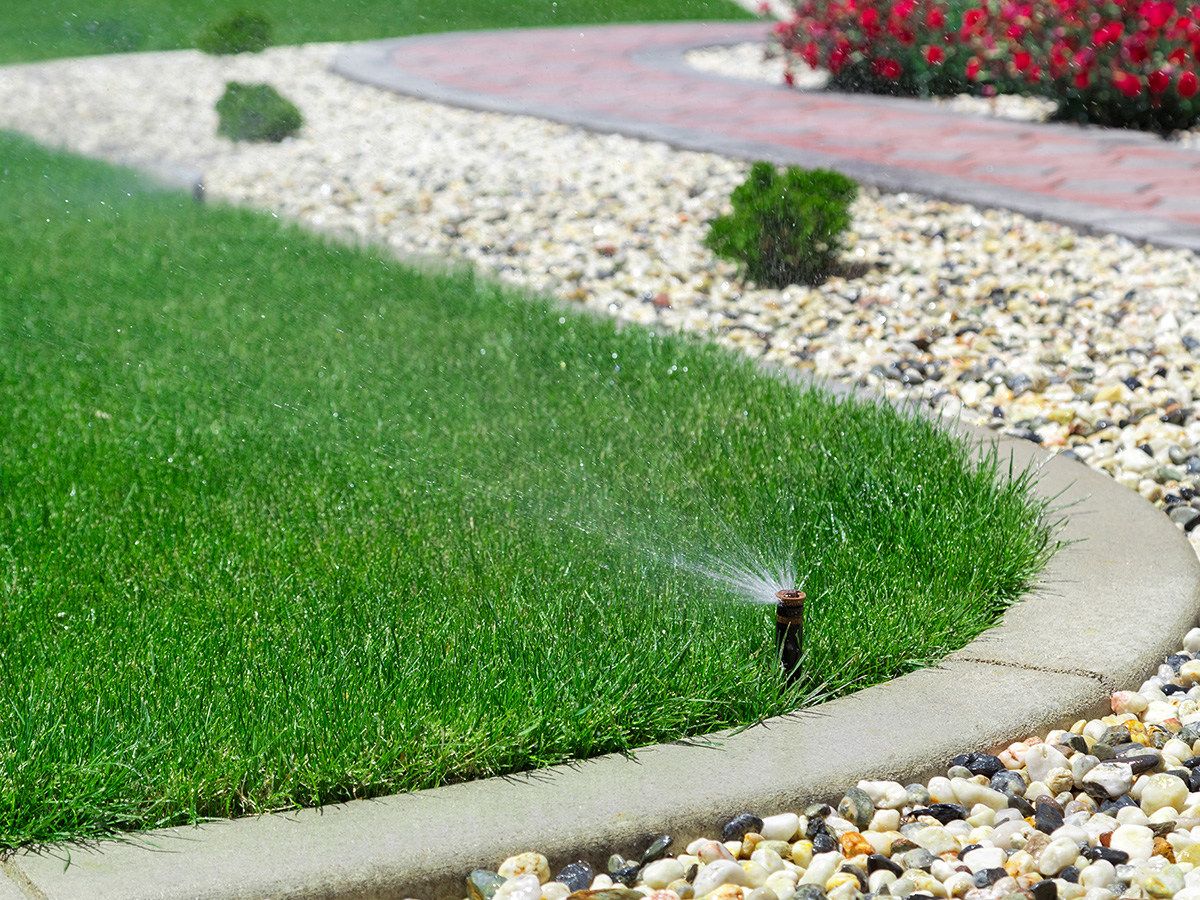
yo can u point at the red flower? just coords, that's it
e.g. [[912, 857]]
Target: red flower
[[837, 59], [1127, 83], [1137, 49], [1082, 79], [1159, 81], [935, 18], [904, 8], [811, 54], [973, 67], [1188, 84], [1108, 34], [869, 19], [886, 67], [1156, 14], [788, 78], [1177, 57], [972, 18], [935, 55], [1022, 60]]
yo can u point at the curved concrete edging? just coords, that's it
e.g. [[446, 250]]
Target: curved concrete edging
[[1113, 602]]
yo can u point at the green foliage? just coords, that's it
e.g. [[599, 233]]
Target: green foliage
[[256, 112], [243, 32], [1106, 106], [786, 228]]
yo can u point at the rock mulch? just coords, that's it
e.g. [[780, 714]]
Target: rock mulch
[[1109, 808]]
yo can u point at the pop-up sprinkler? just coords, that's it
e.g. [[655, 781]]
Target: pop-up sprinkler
[[789, 631]]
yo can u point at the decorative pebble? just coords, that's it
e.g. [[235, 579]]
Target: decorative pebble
[[519, 887], [482, 884], [577, 876], [739, 826], [662, 872], [526, 864], [782, 827], [718, 872]]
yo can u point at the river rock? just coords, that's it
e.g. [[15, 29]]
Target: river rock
[[739, 826], [661, 873], [482, 884], [857, 807], [1163, 791], [1136, 840], [1056, 856], [885, 794], [782, 827], [721, 871], [1108, 780], [520, 887], [1040, 759], [577, 876], [526, 864]]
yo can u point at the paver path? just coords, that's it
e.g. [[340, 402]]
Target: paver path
[[632, 79]]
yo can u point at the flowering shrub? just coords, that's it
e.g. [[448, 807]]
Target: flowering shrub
[[905, 47], [1128, 63]]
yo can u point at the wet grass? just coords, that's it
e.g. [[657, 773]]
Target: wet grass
[[283, 522], [48, 29]]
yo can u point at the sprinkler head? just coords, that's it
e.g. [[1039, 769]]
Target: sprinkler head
[[789, 630]]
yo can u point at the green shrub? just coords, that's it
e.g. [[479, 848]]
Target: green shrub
[[256, 112], [243, 32], [786, 228]]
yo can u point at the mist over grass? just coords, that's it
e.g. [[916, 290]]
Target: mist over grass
[[283, 522]]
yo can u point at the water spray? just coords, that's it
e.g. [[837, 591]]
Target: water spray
[[789, 631]]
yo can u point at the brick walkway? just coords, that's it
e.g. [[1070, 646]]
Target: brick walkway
[[632, 79]]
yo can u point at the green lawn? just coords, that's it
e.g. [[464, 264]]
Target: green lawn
[[47, 29], [284, 522]]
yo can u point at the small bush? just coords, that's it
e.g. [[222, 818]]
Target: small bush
[[243, 32], [786, 228], [256, 112]]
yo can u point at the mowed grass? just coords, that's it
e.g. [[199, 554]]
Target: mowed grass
[[284, 522], [47, 29]]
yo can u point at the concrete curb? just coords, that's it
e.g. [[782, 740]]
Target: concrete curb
[[1102, 619]]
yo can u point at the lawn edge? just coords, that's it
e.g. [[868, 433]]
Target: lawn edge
[[1114, 601]]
